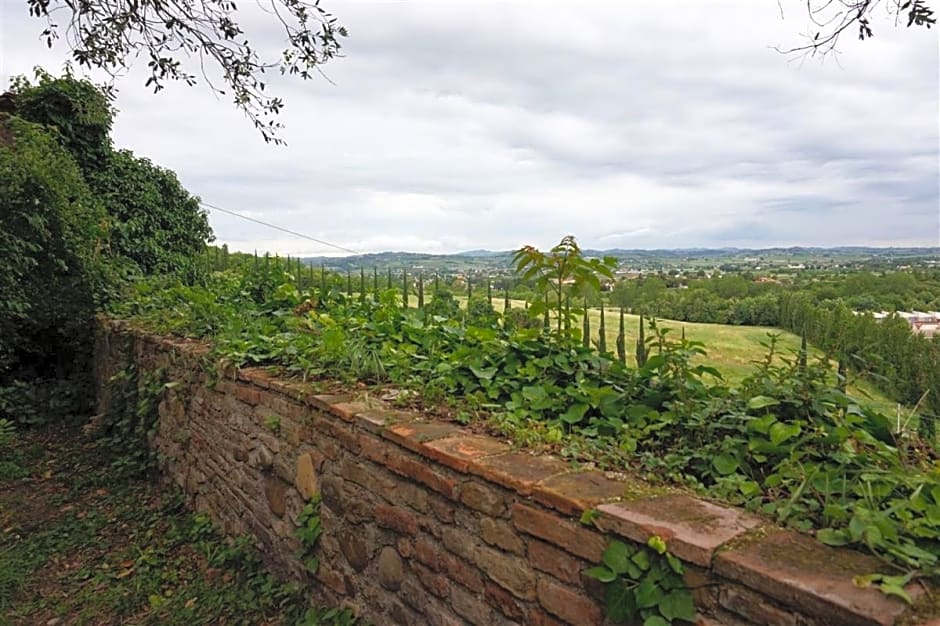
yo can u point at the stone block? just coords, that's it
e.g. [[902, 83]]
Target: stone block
[[570, 536], [692, 528]]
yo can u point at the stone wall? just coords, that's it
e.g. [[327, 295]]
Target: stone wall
[[425, 523]]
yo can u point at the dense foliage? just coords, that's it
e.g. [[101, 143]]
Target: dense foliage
[[75, 218], [832, 310], [53, 267], [784, 442]]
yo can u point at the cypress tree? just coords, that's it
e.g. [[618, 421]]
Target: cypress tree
[[437, 285], [421, 291], [602, 333], [310, 277], [641, 351], [469, 291], [267, 261], [506, 305], [683, 334], [256, 258], [388, 284], [349, 290], [362, 285], [489, 291], [322, 279], [622, 340], [375, 283], [586, 327], [404, 287]]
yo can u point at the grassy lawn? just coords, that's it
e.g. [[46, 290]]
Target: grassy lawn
[[78, 547]]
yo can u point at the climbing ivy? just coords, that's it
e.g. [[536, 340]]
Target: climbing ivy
[[643, 582], [308, 532]]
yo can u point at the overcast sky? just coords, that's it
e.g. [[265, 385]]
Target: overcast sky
[[458, 125]]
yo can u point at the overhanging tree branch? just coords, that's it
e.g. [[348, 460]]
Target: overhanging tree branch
[[833, 17], [110, 34]]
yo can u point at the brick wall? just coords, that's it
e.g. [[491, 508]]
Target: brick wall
[[425, 523]]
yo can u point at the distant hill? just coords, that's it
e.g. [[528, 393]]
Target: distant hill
[[495, 261]]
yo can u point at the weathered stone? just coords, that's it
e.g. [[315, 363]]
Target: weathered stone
[[261, 458], [306, 479], [457, 452], [519, 471], [575, 492], [275, 490], [460, 542], [503, 601], [470, 607], [355, 547], [692, 528], [482, 498], [396, 518], [390, 569], [413, 435], [754, 607], [573, 537], [801, 572], [568, 604], [512, 573], [558, 563], [435, 583], [501, 535]]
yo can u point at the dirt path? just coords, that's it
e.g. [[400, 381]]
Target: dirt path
[[78, 546]]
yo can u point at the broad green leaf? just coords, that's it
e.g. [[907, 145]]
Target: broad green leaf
[[619, 601], [617, 556], [895, 590], [761, 402], [575, 413], [780, 432], [678, 604], [832, 537], [601, 573], [655, 620], [725, 464], [647, 593], [642, 559]]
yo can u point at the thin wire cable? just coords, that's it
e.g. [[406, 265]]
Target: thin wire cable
[[280, 228]]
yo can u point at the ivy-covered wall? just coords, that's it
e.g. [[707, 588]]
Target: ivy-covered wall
[[413, 521]]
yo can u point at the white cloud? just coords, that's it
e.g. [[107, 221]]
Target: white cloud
[[455, 125]]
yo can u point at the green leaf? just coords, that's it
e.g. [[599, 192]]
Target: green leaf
[[617, 556], [674, 563], [575, 413], [725, 464], [657, 543], [620, 602], [655, 620], [832, 537], [601, 573], [642, 559], [678, 604], [647, 593], [895, 590], [761, 402], [780, 432]]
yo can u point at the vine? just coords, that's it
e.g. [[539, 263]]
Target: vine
[[308, 532], [643, 582]]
